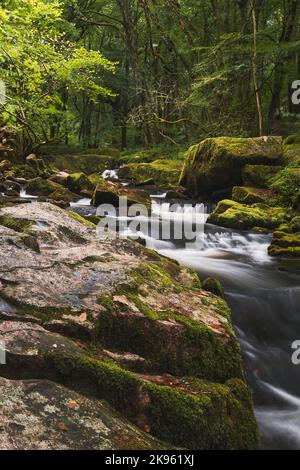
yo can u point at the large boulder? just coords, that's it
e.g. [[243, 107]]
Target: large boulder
[[232, 214], [121, 323], [162, 172], [86, 163], [78, 182], [218, 163], [107, 192]]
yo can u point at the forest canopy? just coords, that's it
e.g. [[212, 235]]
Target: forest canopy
[[145, 72]]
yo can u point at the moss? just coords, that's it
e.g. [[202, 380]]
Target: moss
[[214, 286], [259, 176], [195, 349], [210, 416], [78, 182], [287, 184], [162, 172], [42, 187], [87, 163], [81, 219], [18, 225], [166, 152], [235, 215], [95, 179], [295, 224], [217, 163], [216, 409], [291, 150], [249, 195], [286, 240]]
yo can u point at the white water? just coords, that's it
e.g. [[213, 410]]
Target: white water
[[82, 202], [110, 174], [24, 194], [264, 295]]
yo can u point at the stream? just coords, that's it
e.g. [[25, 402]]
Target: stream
[[264, 296]]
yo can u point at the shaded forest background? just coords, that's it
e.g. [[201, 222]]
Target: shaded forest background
[[135, 73]]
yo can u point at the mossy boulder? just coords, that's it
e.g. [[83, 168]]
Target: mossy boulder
[[232, 214], [291, 150], [162, 172], [107, 192], [259, 176], [51, 189], [218, 163], [39, 166], [287, 184], [187, 412], [77, 182], [286, 240], [92, 308], [249, 195], [85, 163]]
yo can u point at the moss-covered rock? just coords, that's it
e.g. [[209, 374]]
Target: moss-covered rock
[[291, 150], [286, 240], [249, 195], [162, 172], [232, 214], [78, 182], [39, 166], [124, 304], [259, 176], [86, 163], [214, 286], [189, 413], [107, 192], [217, 163], [51, 189], [287, 184]]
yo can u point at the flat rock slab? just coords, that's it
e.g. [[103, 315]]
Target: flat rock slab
[[41, 415], [71, 267]]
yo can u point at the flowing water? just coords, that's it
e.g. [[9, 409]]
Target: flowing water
[[264, 295]]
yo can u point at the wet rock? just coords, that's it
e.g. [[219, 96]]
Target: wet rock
[[41, 415], [132, 327], [108, 192], [217, 163], [214, 286]]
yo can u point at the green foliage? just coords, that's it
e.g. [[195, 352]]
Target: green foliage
[[42, 68]]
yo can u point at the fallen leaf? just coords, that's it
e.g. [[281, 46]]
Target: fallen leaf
[[73, 405], [62, 427]]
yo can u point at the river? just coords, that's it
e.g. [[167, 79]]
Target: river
[[264, 296]]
